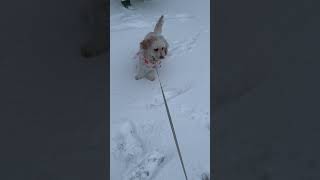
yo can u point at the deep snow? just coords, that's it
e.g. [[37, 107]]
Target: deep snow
[[139, 124]]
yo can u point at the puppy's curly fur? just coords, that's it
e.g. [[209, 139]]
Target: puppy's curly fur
[[153, 49]]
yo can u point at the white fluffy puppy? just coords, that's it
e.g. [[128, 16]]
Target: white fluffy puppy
[[153, 49]]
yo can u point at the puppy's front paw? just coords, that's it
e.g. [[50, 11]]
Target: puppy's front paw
[[137, 77], [151, 78]]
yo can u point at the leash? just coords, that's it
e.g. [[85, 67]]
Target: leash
[[172, 128]]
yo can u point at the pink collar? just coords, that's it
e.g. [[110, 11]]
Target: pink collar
[[151, 63], [147, 61]]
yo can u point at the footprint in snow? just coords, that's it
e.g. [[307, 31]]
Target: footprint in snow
[[183, 17], [147, 168], [126, 21], [179, 48], [169, 94], [123, 22], [128, 145], [202, 116]]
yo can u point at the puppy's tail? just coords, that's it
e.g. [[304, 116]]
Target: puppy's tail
[[158, 27]]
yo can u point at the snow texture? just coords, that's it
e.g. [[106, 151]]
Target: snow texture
[[140, 130], [147, 168]]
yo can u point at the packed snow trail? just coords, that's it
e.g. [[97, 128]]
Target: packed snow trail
[[139, 124]]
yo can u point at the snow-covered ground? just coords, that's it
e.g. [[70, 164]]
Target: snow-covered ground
[[140, 129]]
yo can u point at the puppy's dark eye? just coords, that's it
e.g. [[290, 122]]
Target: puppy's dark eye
[[162, 48], [156, 49]]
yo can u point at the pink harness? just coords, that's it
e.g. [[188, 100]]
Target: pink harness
[[151, 64]]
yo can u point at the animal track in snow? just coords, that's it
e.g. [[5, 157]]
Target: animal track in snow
[[180, 17], [200, 115], [181, 47], [128, 22], [170, 94], [133, 21], [147, 168], [127, 145]]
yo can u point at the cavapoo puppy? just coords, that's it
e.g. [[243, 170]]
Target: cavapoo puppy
[[153, 49]]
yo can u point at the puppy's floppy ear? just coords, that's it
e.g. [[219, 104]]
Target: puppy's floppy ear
[[146, 43]]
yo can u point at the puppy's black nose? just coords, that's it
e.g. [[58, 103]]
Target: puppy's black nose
[[161, 57]]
